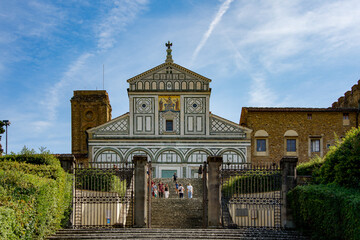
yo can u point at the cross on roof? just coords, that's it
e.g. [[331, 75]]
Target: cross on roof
[[168, 45]]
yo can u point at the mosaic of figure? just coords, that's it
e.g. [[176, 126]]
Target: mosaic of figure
[[169, 103]]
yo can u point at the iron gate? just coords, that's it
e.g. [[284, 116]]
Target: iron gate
[[250, 196], [103, 195]]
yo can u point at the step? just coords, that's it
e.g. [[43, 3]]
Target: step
[[153, 233]]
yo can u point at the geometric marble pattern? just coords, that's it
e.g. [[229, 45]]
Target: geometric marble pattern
[[195, 105], [120, 126], [219, 126]]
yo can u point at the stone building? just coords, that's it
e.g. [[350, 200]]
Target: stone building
[[301, 132], [169, 121], [88, 109]]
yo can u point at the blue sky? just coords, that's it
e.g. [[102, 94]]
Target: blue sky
[[257, 53]]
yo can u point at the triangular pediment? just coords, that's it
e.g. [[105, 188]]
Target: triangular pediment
[[168, 69], [119, 126], [221, 126], [169, 77]]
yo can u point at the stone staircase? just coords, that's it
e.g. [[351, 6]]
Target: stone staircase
[[146, 233], [175, 212]]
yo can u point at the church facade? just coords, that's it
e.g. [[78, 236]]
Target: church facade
[[170, 122]]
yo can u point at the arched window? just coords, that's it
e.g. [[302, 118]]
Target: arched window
[[197, 157], [291, 143], [183, 86], [168, 157], [261, 143], [153, 85], [107, 159], [139, 85], [147, 85]]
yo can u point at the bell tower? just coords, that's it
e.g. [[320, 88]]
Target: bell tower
[[88, 109]]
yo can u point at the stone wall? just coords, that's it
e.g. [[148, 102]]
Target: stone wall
[[88, 109], [308, 123], [350, 98]]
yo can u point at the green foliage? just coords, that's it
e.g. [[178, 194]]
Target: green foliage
[[37, 159], [342, 163], [252, 181], [8, 223], [327, 211], [308, 168], [36, 195], [100, 180], [2, 124]]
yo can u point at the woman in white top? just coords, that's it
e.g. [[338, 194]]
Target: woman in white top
[[167, 193]]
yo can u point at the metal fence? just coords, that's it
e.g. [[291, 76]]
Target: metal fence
[[103, 195], [250, 196]]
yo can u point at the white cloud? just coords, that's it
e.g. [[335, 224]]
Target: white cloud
[[116, 20], [222, 10], [71, 76], [260, 95]]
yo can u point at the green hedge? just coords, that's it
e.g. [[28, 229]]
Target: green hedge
[[342, 163], [308, 168], [100, 180], [37, 159], [8, 223], [252, 182], [327, 211], [37, 196]]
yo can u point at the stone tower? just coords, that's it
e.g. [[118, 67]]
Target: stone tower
[[88, 109]]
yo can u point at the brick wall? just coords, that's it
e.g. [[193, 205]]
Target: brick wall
[[88, 109], [350, 98], [324, 124]]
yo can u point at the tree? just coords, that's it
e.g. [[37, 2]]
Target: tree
[[2, 124], [2, 130], [342, 162]]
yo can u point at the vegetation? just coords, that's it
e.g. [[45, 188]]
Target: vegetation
[[308, 168], [327, 211], [342, 163], [100, 180], [2, 130], [35, 196], [331, 209], [253, 181]]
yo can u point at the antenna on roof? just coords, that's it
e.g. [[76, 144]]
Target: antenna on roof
[[103, 76]]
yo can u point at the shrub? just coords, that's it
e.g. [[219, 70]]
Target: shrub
[[38, 195], [8, 223], [37, 159], [307, 168], [342, 163], [252, 181], [328, 211], [100, 180]]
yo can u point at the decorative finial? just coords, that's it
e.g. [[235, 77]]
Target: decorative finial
[[168, 45], [168, 50]]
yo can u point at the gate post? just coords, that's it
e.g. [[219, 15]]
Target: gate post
[[214, 193], [140, 218], [288, 179]]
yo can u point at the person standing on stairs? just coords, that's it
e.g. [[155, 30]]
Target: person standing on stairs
[[161, 189], [177, 188], [174, 177], [190, 191], [181, 191], [167, 193], [200, 171]]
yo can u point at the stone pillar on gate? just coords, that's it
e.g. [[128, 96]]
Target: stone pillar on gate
[[214, 191], [140, 212], [288, 177]]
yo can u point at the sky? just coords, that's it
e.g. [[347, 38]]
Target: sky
[[259, 53]]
